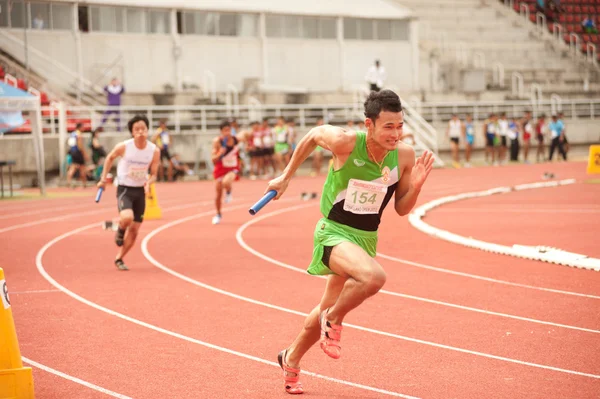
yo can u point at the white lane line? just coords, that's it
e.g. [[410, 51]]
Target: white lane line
[[62, 208], [94, 305], [74, 379], [299, 313], [102, 210], [243, 244], [32, 292], [477, 277], [514, 210]]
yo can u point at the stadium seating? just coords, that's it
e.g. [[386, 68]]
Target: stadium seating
[[570, 15]]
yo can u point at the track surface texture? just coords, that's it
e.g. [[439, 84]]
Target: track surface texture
[[205, 309]]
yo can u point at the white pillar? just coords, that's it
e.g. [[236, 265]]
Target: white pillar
[[62, 135], [342, 50], [415, 54], [262, 32], [35, 116], [177, 51], [78, 55]]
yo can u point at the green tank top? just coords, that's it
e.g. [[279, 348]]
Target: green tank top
[[357, 193]]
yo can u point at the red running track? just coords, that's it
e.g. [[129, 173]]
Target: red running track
[[199, 315]]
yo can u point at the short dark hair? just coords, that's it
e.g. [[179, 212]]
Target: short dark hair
[[136, 119], [378, 101], [224, 124]]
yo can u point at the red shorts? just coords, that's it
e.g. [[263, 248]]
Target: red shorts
[[526, 136], [219, 172]]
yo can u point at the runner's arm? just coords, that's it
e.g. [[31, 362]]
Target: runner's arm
[[217, 150], [333, 138], [414, 174], [118, 151], [154, 167]]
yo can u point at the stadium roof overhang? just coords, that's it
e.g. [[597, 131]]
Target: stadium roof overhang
[[378, 9]]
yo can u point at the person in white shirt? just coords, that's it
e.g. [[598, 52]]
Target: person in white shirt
[[138, 154], [376, 76], [454, 132]]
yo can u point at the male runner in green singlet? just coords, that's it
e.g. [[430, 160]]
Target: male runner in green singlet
[[368, 170]]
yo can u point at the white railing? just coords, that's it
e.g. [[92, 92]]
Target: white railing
[[556, 104], [592, 55], [498, 75], [34, 91], [518, 88], [479, 60], [510, 4], [48, 67], [540, 23], [424, 132], [415, 102], [255, 109], [438, 112], [359, 95], [461, 53], [524, 11], [232, 101], [206, 119], [541, 28], [557, 32], [574, 45], [209, 85], [10, 80], [535, 93]]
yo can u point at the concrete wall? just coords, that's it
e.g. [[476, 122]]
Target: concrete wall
[[148, 62]]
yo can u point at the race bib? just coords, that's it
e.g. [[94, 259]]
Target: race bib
[[268, 141], [138, 173], [165, 139], [230, 160], [282, 137], [257, 142], [72, 141], [363, 197]]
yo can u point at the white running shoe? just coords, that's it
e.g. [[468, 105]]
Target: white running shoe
[[228, 198], [216, 219]]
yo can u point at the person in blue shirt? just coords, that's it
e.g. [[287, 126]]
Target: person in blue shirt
[[469, 133], [557, 129], [588, 25]]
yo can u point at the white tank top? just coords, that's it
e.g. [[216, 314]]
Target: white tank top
[[132, 170], [454, 130], [503, 124]]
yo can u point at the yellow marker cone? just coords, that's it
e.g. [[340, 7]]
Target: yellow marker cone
[[594, 160], [16, 381], [152, 211]]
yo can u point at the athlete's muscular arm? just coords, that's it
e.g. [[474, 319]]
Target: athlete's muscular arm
[[217, 150], [153, 168], [339, 141], [118, 151], [413, 177]]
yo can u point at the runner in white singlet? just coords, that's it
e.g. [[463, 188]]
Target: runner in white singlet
[[137, 156]]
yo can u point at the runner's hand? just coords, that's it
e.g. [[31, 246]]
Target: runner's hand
[[421, 170], [278, 184], [101, 184]]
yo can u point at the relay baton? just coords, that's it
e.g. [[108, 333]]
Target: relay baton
[[99, 194], [263, 201]]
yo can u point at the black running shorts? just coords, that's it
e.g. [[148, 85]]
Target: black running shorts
[[132, 198]]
